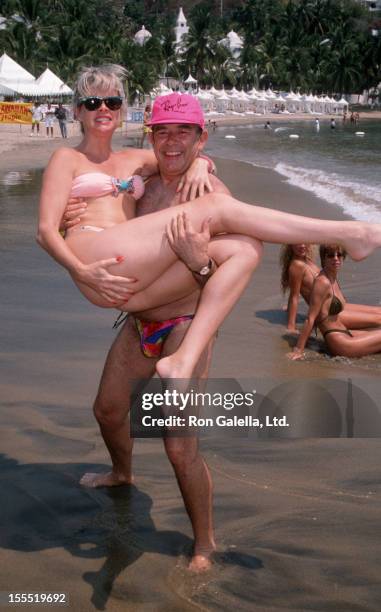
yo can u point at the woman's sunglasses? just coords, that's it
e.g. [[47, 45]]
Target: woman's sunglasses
[[332, 254], [92, 103]]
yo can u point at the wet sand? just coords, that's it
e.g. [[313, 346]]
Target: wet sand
[[297, 521]]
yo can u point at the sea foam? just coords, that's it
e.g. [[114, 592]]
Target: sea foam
[[359, 200]]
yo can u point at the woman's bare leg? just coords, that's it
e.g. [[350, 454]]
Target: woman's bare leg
[[217, 299], [147, 253], [363, 343], [178, 282], [360, 316]]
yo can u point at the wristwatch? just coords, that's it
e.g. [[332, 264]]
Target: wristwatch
[[205, 269]]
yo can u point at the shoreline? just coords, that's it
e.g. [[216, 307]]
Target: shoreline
[[19, 147]]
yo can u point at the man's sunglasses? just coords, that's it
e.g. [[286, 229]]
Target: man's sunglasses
[[92, 103]]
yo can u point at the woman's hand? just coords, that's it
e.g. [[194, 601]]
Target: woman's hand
[[72, 213], [296, 354], [196, 181], [114, 289]]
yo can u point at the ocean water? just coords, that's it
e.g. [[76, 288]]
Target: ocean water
[[337, 165]]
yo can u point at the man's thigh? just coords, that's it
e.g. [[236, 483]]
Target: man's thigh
[[125, 366]]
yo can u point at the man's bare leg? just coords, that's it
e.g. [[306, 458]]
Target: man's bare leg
[[191, 471], [125, 362]]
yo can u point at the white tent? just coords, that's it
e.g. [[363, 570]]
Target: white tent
[[51, 85], [12, 71], [190, 80], [16, 78]]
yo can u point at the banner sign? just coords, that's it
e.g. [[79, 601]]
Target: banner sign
[[15, 112]]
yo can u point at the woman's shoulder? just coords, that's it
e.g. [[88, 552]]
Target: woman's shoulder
[[322, 282], [297, 267], [64, 158], [65, 153]]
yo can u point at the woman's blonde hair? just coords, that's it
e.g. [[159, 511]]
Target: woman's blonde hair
[[285, 258], [100, 79]]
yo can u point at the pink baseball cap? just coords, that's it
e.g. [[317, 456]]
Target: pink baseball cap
[[177, 108]]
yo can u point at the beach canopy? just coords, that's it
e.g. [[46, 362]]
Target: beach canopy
[[190, 79], [50, 84], [18, 81], [12, 71]]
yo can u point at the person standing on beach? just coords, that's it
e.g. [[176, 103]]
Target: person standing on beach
[[130, 358], [61, 115], [146, 128], [317, 125], [36, 117], [49, 120], [333, 124]]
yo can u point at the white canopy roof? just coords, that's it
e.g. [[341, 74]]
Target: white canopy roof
[[190, 79], [12, 71], [51, 84], [223, 96], [5, 91]]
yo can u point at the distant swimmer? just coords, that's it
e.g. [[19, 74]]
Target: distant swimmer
[[268, 125], [317, 125], [333, 124]]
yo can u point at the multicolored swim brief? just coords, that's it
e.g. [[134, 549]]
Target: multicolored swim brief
[[154, 333]]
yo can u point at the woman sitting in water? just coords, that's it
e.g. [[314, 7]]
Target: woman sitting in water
[[326, 308], [111, 240], [299, 271]]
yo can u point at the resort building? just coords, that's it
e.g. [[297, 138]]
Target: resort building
[[142, 36], [234, 43], [181, 28], [373, 5]]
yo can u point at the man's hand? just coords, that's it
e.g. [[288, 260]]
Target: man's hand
[[72, 213], [190, 246]]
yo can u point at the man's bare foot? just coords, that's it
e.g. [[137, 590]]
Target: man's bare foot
[[201, 563], [93, 480]]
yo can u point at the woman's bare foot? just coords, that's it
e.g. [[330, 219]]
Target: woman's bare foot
[[110, 479], [366, 238], [174, 367]]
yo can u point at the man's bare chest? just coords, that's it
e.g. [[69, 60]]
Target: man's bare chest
[[156, 197]]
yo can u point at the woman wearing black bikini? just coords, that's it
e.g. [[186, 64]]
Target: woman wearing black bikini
[[326, 306], [299, 272]]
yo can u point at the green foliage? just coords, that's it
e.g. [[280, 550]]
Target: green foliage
[[317, 45]]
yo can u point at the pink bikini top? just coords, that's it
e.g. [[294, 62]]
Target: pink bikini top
[[96, 184]]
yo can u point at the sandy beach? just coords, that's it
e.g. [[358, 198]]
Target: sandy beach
[[297, 520]]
